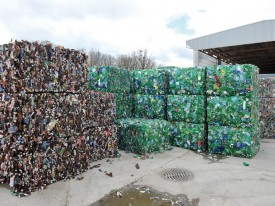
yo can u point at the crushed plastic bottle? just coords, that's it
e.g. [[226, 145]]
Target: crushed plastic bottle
[[150, 81], [229, 140], [149, 106], [187, 108], [186, 81], [234, 110], [189, 136], [142, 136], [109, 79], [124, 105], [232, 80]]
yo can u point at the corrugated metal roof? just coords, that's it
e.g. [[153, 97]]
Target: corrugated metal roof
[[262, 31]]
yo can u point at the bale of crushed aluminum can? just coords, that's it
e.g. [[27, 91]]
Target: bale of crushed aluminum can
[[267, 117], [143, 136], [32, 164], [267, 87], [267, 107], [36, 67], [267, 127], [57, 113]]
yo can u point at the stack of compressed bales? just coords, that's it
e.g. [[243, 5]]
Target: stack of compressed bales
[[143, 136], [267, 106], [49, 128], [147, 131], [186, 107], [233, 110], [113, 80]]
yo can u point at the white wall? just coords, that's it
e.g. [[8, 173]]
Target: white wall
[[201, 59]]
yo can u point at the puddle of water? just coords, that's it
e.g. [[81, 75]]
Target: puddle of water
[[213, 158], [144, 196]]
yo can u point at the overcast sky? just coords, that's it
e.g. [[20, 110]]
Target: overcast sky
[[121, 26]]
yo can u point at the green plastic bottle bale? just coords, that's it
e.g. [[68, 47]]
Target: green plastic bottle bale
[[241, 142], [150, 81], [189, 136], [149, 106], [232, 80], [123, 105], [186, 81], [109, 79], [142, 136], [267, 87], [132, 75], [187, 108], [235, 110]]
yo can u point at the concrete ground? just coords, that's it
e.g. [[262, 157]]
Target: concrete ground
[[223, 182]]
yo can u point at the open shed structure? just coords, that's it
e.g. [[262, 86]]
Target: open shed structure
[[249, 44]]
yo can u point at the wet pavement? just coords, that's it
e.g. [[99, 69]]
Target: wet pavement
[[139, 195]]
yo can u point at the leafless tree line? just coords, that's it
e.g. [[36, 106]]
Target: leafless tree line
[[139, 59]]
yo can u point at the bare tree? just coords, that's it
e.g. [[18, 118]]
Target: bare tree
[[96, 58], [138, 59]]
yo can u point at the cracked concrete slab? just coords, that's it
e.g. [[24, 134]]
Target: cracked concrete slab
[[223, 182]]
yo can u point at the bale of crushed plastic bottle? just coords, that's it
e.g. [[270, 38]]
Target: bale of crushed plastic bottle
[[149, 106], [232, 80], [228, 140], [124, 105], [189, 136], [186, 108], [142, 136], [232, 111], [267, 87], [186, 81], [150, 81], [109, 79]]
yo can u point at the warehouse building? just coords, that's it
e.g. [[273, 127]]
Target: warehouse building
[[249, 44]]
